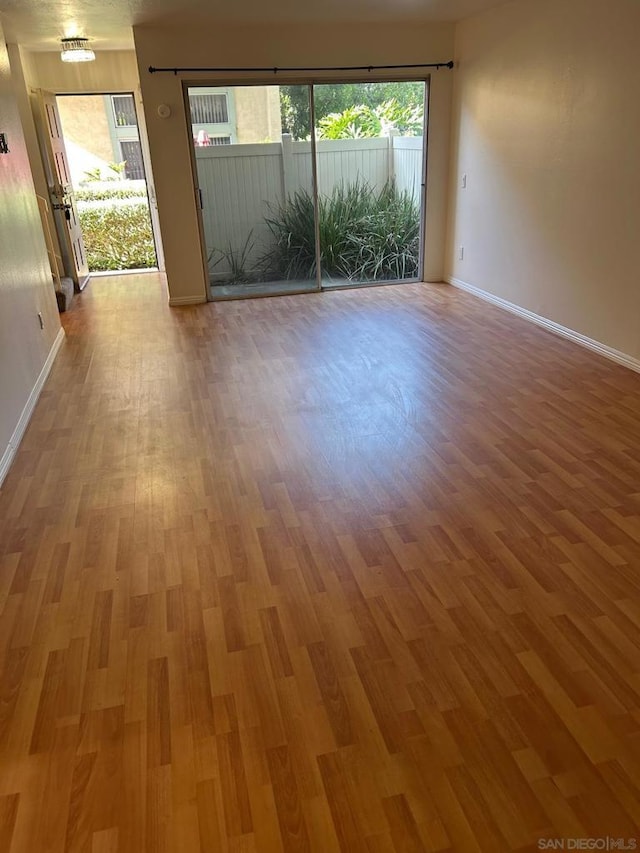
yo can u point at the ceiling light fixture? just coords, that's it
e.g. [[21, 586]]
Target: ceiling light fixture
[[76, 50]]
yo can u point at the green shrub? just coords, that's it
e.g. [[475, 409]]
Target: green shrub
[[365, 235], [388, 245], [236, 259], [117, 236], [102, 194], [360, 121]]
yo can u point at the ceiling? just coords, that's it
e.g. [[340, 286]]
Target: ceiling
[[39, 24]]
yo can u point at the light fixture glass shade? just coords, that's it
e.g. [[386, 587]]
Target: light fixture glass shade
[[76, 50]]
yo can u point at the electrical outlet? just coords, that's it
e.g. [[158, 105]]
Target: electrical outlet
[[461, 253], [40, 320]]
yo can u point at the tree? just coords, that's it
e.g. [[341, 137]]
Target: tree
[[364, 121], [295, 111], [339, 97]]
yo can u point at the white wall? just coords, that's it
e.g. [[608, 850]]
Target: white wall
[[546, 127], [25, 280], [21, 93], [269, 45], [112, 71]]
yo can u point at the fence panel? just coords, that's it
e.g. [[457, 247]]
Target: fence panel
[[298, 172], [343, 161], [237, 183], [240, 184], [407, 163]]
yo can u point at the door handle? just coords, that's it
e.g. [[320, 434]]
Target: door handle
[[200, 198], [66, 208]]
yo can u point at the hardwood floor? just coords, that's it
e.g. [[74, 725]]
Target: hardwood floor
[[356, 571]]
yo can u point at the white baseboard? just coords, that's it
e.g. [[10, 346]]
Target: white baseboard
[[556, 328], [25, 417], [187, 300]]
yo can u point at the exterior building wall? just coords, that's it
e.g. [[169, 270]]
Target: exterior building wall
[[257, 113], [84, 122]]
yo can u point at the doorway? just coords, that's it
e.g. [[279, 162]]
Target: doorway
[[104, 153], [309, 187]]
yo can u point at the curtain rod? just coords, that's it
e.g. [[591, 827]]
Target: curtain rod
[[277, 70]]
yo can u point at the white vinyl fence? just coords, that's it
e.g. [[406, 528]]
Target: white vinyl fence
[[243, 184]]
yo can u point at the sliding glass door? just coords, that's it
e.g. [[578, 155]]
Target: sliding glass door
[[292, 203], [370, 155], [253, 181]]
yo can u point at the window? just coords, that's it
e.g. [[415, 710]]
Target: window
[[132, 156], [203, 139], [124, 111], [209, 109]]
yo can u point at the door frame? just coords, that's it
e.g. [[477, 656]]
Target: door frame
[[146, 163], [311, 81], [148, 176]]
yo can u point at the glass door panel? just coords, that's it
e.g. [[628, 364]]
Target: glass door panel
[[370, 157], [255, 175]]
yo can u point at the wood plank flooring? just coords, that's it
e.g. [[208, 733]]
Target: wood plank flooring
[[357, 571]]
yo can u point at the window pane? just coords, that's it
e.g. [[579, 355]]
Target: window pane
[[256, 190], [370, 153], [132, 155], [208, 109], [202, 138], [124, 110]]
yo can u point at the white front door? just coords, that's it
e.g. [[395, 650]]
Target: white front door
[[62, 199]]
